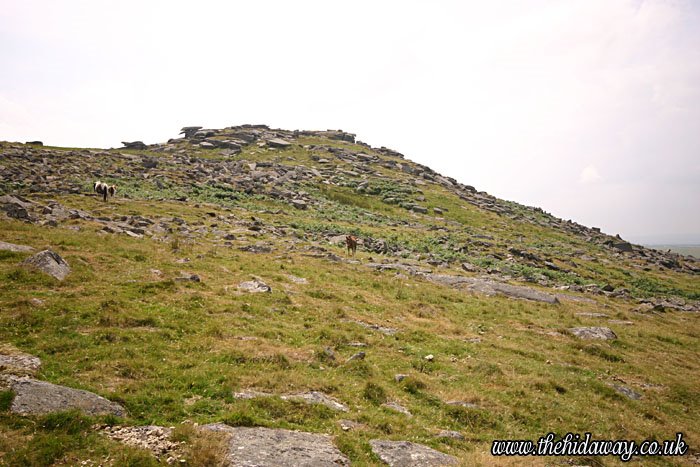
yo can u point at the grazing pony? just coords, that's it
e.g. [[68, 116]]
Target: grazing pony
[[351, 243], [104, 189]]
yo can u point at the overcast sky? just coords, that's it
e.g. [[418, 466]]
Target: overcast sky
[[589, 109]]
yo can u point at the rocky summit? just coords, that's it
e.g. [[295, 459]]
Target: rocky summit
[[210, 310]]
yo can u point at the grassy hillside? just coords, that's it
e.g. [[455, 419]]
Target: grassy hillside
[[128, 325]]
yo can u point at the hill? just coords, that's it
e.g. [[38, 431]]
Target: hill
[[215, 287]]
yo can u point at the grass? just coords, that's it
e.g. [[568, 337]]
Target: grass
[[173, 351]]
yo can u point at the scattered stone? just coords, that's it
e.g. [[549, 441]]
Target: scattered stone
[[406, 454], [621, 321], [277, 447], [376, 327], [186, 276], [626, 391], [297, 280], [256, 248], [4, 246], [396, 407], [450, 434], [155, 439], [37, 301], [469, 267], [349, 425], [587, 314], [400, 377], [49, 262], [593, 333], [33, 397], [429, 357], [466, 405], [254, 286], [357, 356]]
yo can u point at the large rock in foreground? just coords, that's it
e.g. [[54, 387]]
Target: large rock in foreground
[[49, 262], [268, 447], [405, 454], [33, 397]]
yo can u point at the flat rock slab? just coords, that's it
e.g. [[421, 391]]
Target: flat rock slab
[[593, 333], [257, 447], [405, 454], [4, 246], [489, 287], [34, 397], [49, 262]]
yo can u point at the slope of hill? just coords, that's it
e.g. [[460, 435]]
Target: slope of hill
[[215, 287]]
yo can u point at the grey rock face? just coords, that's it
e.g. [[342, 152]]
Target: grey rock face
[[252, 447], [33, 397], [405, 454], [4, 246], [593, 333], [49, 262]]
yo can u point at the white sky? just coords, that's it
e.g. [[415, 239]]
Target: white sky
[[589, 109]]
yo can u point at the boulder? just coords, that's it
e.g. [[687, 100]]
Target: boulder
[[623, 246], [593, 333], [15, 206], [134, 145], [189, 131], [49, 262], [299, 204], [33, 397], [276, 447], [406, 454]]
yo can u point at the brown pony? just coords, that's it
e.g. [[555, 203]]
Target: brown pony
[[351, 243]]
